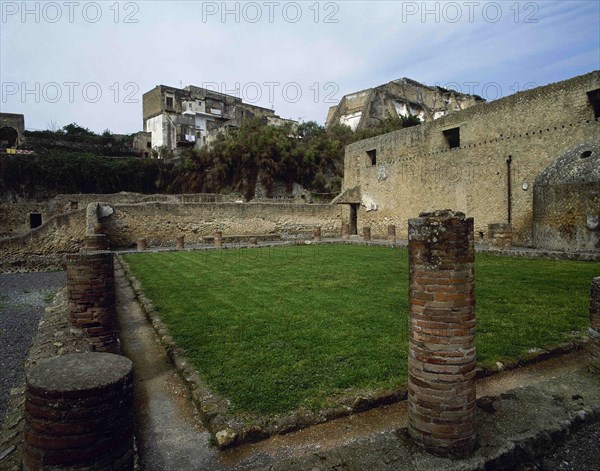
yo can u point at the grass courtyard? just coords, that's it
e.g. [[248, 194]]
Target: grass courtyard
[[281, 328]]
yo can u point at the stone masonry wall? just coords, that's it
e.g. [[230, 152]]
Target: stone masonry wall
[[417, 171], [44, 247], [161, 223]]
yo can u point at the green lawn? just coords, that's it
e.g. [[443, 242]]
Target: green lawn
[[280, 328]]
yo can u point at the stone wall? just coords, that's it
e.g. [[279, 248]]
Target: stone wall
[[43, 248], [14, 215], [160, 220], [161, 223], [415, 169]]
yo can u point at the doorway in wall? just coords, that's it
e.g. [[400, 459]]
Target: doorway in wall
[[353, 223]]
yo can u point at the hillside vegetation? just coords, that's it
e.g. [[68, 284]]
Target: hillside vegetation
[[235, 161]]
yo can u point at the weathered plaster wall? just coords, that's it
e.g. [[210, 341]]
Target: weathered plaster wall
[[45, 246], [417, 171], [160, 223], [566, 201], [14, 216]]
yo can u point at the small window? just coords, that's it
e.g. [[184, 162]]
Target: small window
[[373, 156], [74, 205], [148, 144], [35, 220], [594, 97], [169, 102], [453, 137]]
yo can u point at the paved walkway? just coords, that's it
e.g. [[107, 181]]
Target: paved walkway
[[529, 419]]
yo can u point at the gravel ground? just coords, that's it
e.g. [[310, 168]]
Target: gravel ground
[[580, 452], [23, 297]]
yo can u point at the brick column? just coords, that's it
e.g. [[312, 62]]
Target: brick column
[[141, 244], [91, 305], [594, 344], [441, 358], [218, 239], [392, 234], [180, 242], [93, 242], [317, 234], [79, 413], [366, 233], [345, 231]]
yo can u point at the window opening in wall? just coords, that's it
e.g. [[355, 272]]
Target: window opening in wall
[[148, 145], [453, 137], [169, 102], [35, 220], [74, 205], [373, 156], [594, 97]]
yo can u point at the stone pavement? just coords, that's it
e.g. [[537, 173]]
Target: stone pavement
[[521, 414]]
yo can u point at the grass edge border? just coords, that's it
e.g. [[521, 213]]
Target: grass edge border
[[230, 430]]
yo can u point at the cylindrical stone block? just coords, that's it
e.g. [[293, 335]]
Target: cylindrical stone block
[[180, 242], [253, 241], [91, 307], [141, 244], [594, 343], [366, 233], [316, 234], [441, 358], [345, 231], [392, 234], [218, 239], [79, 413], [94, 242]]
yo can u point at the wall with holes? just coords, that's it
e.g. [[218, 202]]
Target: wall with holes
[[489, 173]]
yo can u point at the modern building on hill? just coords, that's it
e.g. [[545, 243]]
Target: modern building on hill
[[402, 97], [190, 117]]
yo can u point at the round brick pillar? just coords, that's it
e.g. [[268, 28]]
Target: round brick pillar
[[441, 358], [93, 242], [392, 234], [218, 239], [91, 305], [180, 242], [141, 244], [79, 413], [366, 233], [345, 231], [594, 343], [317, 234]]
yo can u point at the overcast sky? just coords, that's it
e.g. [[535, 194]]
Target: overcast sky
[[91, 62]]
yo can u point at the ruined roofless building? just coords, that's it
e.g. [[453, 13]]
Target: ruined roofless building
[[402, 97], [189, 117]]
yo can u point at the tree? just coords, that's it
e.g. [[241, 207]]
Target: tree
[[75, 129]]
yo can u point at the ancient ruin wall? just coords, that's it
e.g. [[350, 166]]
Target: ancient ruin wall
[[416, 170], [161, 223]]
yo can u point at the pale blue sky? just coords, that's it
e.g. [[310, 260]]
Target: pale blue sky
[[304, 54]]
